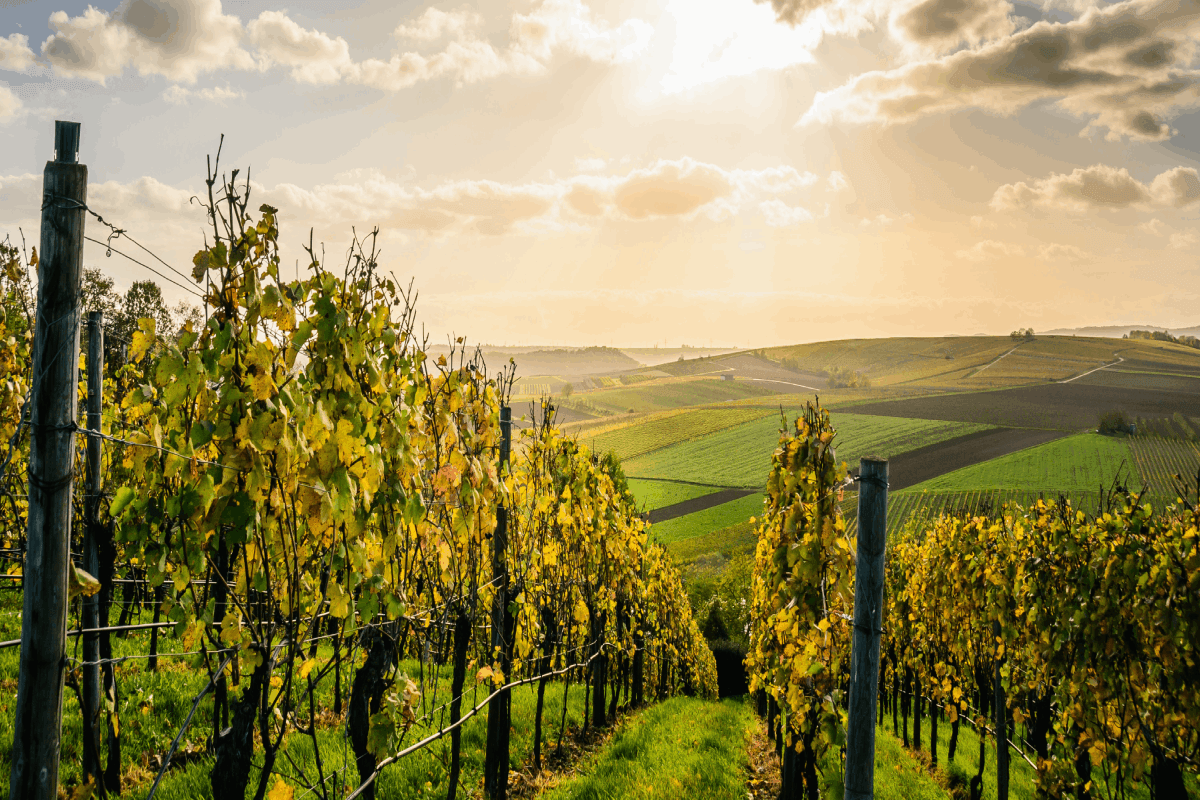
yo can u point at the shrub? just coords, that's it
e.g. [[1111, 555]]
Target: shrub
[[844, 377], [1113, 422]]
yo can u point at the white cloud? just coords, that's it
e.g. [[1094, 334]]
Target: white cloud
[[569, 25], [535, 38], [990, 249], [178, 95], [1126, 68], [780, 215], [1154, 227], [1101, 187], [982, 223], [178, 39], [590, 164], [883, 220], [15, 54], [10, 105], [312, 55], [1060, 252], [434, 23], [1183, 241]]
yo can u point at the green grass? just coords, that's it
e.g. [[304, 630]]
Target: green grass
[[668, 429], [673, 394], [741, 456], [167, 697], [1081, 463], [707, 521], [420, 775], [658, 494], [726, 543], [683, 747], [1160, 460]]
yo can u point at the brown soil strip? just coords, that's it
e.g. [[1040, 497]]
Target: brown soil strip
[[909, 469], [702, 503], [576, 756], [763, 780]]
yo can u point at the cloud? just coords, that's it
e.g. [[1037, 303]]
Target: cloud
[[590, 164], [434, 23], [1125, 67], [937, 26], [1101, 187], [15, 54], [980, 223], [1154, 227], [780, 215], [883, 220], [10, 104], [1060, 252], [312, 55], [555, 26], [990, 249], [178, 39], [793, 12], [670, 188], [1182, 241], [569, 25], [178, 95]]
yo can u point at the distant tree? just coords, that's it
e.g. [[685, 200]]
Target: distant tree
[[98, 294], [567, 389], [844, 377], [144, 299]]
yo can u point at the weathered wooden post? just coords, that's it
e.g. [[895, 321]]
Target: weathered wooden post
[[868, 619], [38, 719], [91, 552], [1001, 722], [495, 775]]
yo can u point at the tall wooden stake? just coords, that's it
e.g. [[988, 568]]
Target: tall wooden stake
[[91, 553], [1001, 724], [868, 618], [495, 776], [38, 718]]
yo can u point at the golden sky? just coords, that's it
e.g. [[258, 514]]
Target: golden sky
[[632, 172]]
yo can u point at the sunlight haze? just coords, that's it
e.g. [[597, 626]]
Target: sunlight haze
[[641, 172]]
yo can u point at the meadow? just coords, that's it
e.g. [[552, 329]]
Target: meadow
[[741, 456], [1086, 462], [652, 494]]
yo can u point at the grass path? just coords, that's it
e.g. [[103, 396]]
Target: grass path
[[683, 747]]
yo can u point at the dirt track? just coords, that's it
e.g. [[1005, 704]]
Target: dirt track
[[909, 469], [702, 503]]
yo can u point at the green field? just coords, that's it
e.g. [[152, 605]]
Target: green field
[[672, 394], [707, 521], [658, 494], [1085, 462], [667, 429], [718, 545], [1160, 460], [741, 456]]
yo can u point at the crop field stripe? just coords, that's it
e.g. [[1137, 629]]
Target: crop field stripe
[[1159, 460]]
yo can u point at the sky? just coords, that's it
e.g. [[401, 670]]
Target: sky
[[640, 172]]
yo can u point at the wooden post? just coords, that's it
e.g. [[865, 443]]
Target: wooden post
[[1001, 723], [37, 725], [91, 553], [495, 775], [868, 617]]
